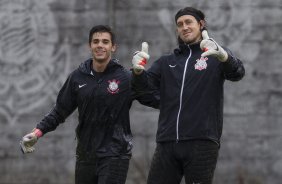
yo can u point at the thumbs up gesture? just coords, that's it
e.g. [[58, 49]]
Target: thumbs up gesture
[[211, 48], [140, 59]]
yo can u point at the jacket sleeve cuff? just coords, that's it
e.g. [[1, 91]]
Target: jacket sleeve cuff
[[230, 65]]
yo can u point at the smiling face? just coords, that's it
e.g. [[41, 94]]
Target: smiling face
[[189, 29], [102, 47]]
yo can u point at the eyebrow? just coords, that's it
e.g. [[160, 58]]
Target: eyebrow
[[97, 39]]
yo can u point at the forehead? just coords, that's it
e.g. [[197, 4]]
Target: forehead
[[101, 35], [186, 17]]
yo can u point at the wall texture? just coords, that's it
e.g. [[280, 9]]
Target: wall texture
[[41, 42]]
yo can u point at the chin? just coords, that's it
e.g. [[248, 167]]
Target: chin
[[190, 41], [101, 60], [186, 40]]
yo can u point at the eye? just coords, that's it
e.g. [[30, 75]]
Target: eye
[[187, 22], [95, 41], [179, 24], [106, 41]]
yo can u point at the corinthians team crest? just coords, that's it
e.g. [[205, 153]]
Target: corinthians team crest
[[113, 86], [201, 63]]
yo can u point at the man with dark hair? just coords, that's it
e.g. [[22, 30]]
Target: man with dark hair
[[101, 91], [190, 82]]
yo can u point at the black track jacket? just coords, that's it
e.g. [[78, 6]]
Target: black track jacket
[[103, 103], [191, 92]]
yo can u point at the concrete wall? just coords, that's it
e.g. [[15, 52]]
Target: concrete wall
[[41, 42]]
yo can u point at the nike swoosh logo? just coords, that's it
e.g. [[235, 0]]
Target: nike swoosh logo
[[172, 66], [80, 86]]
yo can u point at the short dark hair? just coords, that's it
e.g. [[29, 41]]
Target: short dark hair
[[102, 29], [198, 14]]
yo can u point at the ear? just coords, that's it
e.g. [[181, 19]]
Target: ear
[[176, 32], [202, 24], [179, 41], [114, 48], [88, 48]]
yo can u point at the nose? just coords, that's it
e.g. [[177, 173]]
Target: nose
[[185, 26], [100, 44]]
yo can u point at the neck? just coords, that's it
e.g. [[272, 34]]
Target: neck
[[99, 66], [195, 42]]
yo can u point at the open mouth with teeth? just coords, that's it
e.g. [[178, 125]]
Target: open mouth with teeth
[[99, 52]]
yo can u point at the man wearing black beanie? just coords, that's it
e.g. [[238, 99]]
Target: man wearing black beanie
[[190, 82]]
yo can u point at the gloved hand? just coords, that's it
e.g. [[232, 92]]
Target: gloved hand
[[211, 48], [140, 59], [29, 140]]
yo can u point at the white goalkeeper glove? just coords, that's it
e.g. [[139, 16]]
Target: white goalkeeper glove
[[211, 48], [29, 140], [140, 59]]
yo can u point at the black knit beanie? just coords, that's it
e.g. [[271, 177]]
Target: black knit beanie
[[198, 14]]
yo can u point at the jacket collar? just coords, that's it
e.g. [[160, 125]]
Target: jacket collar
[[185, 48], [86, 66]]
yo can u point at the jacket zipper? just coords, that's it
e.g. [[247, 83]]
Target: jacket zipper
[[181, 94]]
